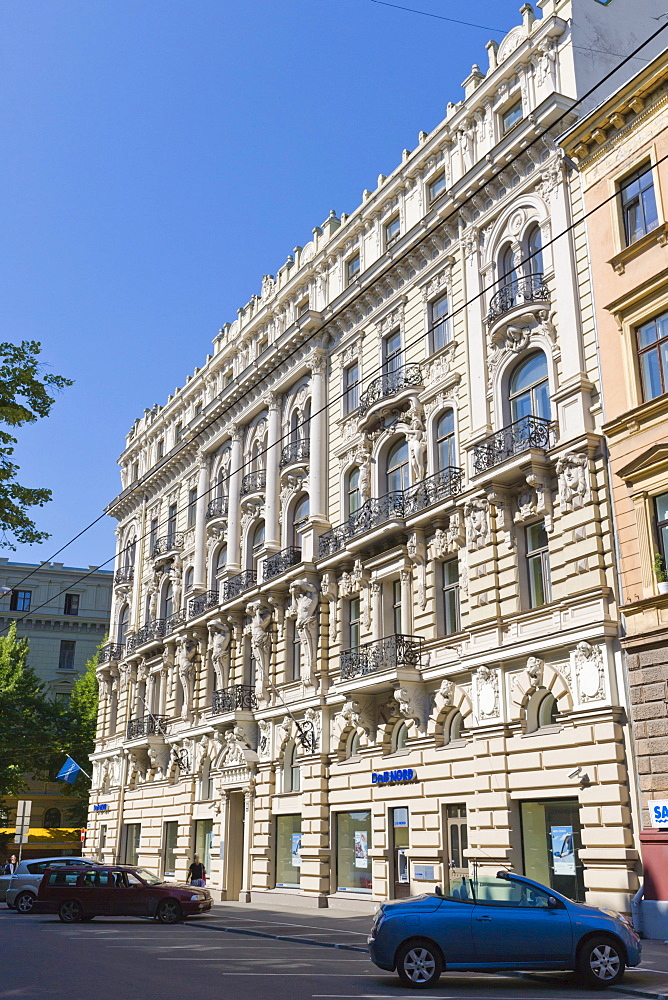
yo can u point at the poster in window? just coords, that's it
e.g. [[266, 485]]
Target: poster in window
[[361, 849], [295, 856], [563, 852]]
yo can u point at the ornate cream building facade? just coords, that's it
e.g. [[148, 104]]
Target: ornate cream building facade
[[365, 623]]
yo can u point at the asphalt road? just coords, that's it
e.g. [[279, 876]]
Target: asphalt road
[[127, 959]]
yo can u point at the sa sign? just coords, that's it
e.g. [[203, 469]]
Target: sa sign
[[658, 812]]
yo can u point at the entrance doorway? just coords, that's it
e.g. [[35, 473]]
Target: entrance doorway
[[456, 841], [400, 844], [233, 858]]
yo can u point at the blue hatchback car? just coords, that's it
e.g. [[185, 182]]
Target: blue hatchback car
[[496, 923]]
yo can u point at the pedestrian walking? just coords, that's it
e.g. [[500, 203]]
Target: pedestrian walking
[[11, 865], [196, 872]]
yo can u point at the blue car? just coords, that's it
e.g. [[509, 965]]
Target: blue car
[[495, 923]]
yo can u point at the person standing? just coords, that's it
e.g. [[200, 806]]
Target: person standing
[[196, 872], [11, 865]]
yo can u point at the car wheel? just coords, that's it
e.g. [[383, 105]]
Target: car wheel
[[70, 911], [24, 902], [169, 912], [419, 964], [600, 963]]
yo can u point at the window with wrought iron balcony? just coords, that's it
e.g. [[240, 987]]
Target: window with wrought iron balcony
[[391, 653], [521, 279]]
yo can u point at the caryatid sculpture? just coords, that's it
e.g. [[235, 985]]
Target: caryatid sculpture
[[186, 651], [260, 636], [416, 437], [304, 610], [220, 637]]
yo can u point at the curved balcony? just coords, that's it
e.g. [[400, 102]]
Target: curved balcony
[[150, 632], [173, 622], [516, 438], [124, 575], [531, 288], [253, 482], [238, 697], [173, 542], [390, 653], [281, 561], [149, 725], [203, 602], [390, 384], [111, 652], [217, 507], [238, 584], [295, 452]]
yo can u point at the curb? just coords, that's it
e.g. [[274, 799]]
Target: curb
[[283, 937], [631, 991]]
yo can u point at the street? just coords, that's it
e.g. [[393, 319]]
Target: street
[[223, 955]]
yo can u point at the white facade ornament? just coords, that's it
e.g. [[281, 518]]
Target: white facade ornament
[[350, 583], [413, 428], [417, 553], [590, 673], [330, 591], [220, 637], [236, 749], [264, 741], [476, 515], [487, 690], [572, 470], [186, 651], [363, 459], [446, 691], [304, 610], [534, 669], [260, 636]]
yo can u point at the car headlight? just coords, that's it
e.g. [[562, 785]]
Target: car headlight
[[196, 898]]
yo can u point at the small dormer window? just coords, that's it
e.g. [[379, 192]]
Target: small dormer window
[[511, 116]]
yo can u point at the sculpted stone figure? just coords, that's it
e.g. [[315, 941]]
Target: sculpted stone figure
[[417, 441], [175, 578], [186, 651], [573, 486], [220, 637], [260, 621], [364, 460], [304, 610]]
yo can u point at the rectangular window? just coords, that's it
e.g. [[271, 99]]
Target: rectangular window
[[161, 449], [263, 345], [437, 187], [20, 600], [303, 306], [203, 839], [134, 472], [392, 352], [198, 409], [153, 533], [71, 604], [288, 843], [228, 378], [396, 608], [392, 231], [551, 845], [652, 340], [661, 515], [451, 596], [353, 265], [131, 840], [538, 565], [178, 433], [511, 117], [353, 842], [440, 323], [171, 837], [103, 836], [351, 388], [171, 522], [638, 204], [66, 657], [354, 622], [192, 508], [296, 658]]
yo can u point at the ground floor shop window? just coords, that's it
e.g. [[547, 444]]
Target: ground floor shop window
[[131, 837], [353, 840], [288, 842], [169, 858], [203, 838], [551, 845]]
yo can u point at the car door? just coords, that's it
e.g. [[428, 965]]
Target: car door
[[451, 927], [519, 926], [131, 895]]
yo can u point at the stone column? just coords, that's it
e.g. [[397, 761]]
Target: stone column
[[318, 438], [246, 877], [376, 595], [199, 581], [233, 522], [407, 602], [272, 541]]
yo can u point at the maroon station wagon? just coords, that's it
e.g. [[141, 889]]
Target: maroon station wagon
[[118, 891]]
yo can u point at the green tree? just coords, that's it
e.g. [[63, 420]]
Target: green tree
[[25, 396], [79, 723]]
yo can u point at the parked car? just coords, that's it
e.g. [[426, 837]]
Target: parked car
[[22, 886], [496, 923], [120, 890], [4, 886]]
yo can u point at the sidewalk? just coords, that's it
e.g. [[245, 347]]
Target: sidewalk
[[337, 928]]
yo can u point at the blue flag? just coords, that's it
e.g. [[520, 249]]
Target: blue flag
[[68, 771]]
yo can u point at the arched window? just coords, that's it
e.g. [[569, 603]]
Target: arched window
[[257, 455], [353, 492], [299, 519], [295, 427], [306, 424], [507, 267], [52, 819], [400, 736], [188, 580], [123, 622], [167, 604], [257, 546], [542, 711], [353, 744], [445, 440], [397, 467], [535, 251], [530, 389], [454, 727], [221, 486], [291, 775], [205, 784]]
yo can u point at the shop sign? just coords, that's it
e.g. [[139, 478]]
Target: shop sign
[[658, 812], [100, 807], [398, 777]]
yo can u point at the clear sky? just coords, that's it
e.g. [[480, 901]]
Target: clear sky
[[159, 157]]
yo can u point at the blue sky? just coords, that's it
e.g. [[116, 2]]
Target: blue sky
[[160, 156]]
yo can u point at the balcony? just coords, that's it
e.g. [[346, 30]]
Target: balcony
[[531, 288], [407, 377], [124, 575], [174, 621], [110, 652], [148, 633], [281, 561], [217, 507], [239, 697], [390, 653], [173, 542], [150, 725], [238, 584], [516, 438], [446, 483], [253, 482], [297, 451], [203, 602]]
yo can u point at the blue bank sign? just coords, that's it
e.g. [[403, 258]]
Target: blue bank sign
[[100, 807], [399, 777]]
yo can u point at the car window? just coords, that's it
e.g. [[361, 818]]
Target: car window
[[39, 867], [506, 892], [133, 880], [149, 877], [119, 879], [62, 877], [461, 889], [97, 878]]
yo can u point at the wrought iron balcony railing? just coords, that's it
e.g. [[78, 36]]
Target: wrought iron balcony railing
[[277, 563], [237, 584], [149, 725], [531, 288], [173, 542], [296, 451], [382, 654], [174, 620], [389, 384], [124, 575], [147, 633], [110, 651], [217, 507], [527, 432], [398, 505], [253, 482], [203, 602], [239, 696]]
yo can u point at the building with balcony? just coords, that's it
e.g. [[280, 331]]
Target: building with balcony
[[385, 649], [620, 150]]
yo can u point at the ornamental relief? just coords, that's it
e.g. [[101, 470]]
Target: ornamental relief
[[515, 337], [590, 671], [487, 693], [476, 516], [573, 473]]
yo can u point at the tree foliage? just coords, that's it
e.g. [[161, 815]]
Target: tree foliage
[[25, 396]]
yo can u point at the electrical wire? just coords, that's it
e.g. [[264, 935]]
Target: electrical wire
[[441, 17]]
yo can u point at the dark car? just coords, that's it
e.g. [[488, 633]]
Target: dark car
[[116, 891], [495, 923]]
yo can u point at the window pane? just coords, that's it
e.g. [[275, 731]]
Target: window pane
[[541, 406], [647, 333], [536, 537], [288, 843], [437, 186], [536, 589], [353, 840], [651, 374], [530, 372], [661, 503]]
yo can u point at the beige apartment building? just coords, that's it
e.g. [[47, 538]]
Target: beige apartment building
[[621, 151], [365, 629]]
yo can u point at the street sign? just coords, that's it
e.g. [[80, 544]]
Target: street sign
[[23, 807]]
